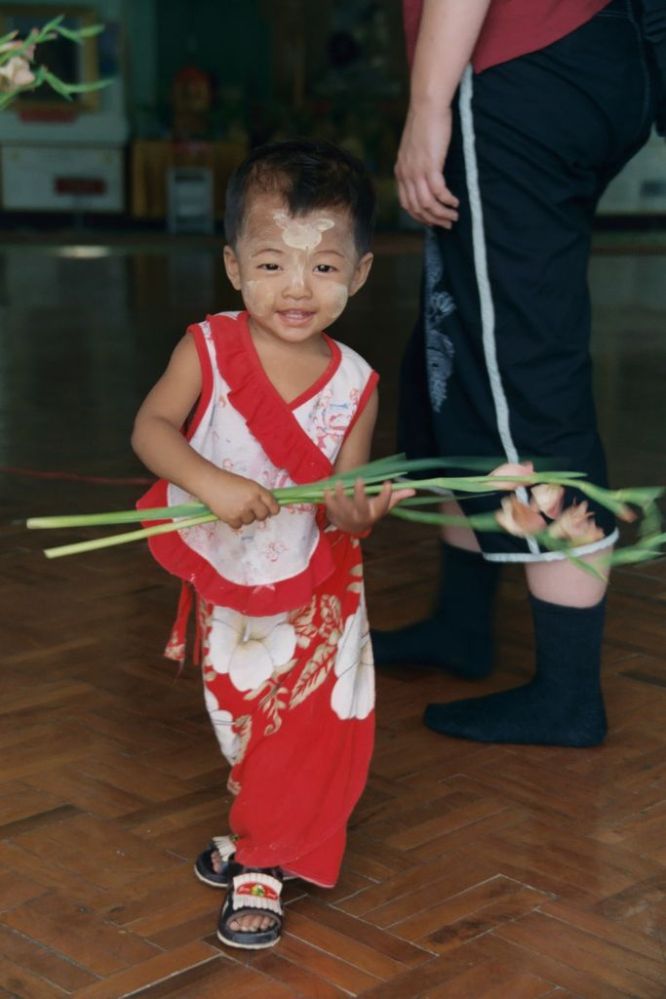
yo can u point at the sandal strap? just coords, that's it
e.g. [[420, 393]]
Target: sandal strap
[[224, 845], [256, 890]]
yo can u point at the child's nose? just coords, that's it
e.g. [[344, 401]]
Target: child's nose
[[298, 285]]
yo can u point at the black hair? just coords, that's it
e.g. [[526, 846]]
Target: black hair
[[308, 175]]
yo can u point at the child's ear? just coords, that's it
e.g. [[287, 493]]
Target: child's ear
[[232, 268], [361, 273]]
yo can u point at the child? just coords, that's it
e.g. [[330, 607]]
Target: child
[[273, 401]]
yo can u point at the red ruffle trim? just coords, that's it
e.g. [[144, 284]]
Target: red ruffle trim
[[173, 553], [287, 445], [267, 415]]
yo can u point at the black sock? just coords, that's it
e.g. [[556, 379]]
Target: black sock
[[562, 706], [458, 635]]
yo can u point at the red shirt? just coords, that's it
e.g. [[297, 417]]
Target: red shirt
[[513, 27]]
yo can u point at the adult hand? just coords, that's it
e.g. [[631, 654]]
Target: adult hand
[[419, 168]]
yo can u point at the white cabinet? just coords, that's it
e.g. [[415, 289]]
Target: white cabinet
[[62, 178]]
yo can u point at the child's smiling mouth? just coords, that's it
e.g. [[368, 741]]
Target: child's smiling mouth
[[295, 317]]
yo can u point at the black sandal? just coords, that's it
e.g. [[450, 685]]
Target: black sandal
[[203, 865], [226, 848], [253, 892]]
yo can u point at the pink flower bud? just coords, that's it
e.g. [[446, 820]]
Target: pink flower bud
[[548, 498], [518, 518], [627, 514], [512, 468]]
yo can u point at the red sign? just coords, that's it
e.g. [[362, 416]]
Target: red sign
[[54, 115], [79, 185]]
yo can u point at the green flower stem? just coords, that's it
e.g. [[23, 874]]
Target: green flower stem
[[393, 468], [120, 539]]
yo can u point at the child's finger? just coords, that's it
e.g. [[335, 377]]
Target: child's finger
[[361, 503], [272, 504], [261, 509], [333, 500], [380, 504], [398, 495]]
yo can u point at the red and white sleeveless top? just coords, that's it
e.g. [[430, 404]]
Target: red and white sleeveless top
[[242, 424]]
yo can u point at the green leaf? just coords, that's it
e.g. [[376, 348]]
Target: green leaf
[[51, 25], [57, 84], [87, 88], [79, 34], [480, 521], [652, 540], [641, 495], [626, 556]]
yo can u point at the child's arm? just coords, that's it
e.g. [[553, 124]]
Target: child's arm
[[356, 514], [157, 440]]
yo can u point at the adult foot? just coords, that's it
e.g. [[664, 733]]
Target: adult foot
[[431, 642], [458, 635], [525, 716]]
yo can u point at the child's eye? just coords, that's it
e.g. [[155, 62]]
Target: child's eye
[[325, 268], [269, 267]]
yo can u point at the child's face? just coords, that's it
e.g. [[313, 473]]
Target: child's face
[[295, 273]]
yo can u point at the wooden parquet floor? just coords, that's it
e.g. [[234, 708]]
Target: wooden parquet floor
[[472, 872]]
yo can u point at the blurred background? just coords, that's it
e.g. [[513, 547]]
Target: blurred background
[[111, 217], [197, 83]]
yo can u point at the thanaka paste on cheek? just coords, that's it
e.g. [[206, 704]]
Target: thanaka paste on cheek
[[258, 297], [338, 296]]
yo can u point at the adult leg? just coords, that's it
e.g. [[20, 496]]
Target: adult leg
[[457, 635], [563, 704]]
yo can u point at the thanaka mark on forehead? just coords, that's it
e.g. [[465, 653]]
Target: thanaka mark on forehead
[[301, 235]]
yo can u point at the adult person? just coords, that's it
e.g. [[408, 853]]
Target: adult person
[[505, 161]]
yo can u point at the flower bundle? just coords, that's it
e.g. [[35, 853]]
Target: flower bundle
[[16, 56], [533, 507]]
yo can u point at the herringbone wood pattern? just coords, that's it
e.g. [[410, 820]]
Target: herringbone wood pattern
[[473, 871]]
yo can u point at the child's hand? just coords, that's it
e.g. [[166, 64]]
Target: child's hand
[[238, 501], [357, 513]]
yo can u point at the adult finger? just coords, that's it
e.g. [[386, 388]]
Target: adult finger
[[409, 201], [436, 212], [440, 191]]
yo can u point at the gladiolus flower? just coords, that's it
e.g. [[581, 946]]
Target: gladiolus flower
[[548, 499], [519, 518], [576, 523], [512, 468], [16, 72]]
